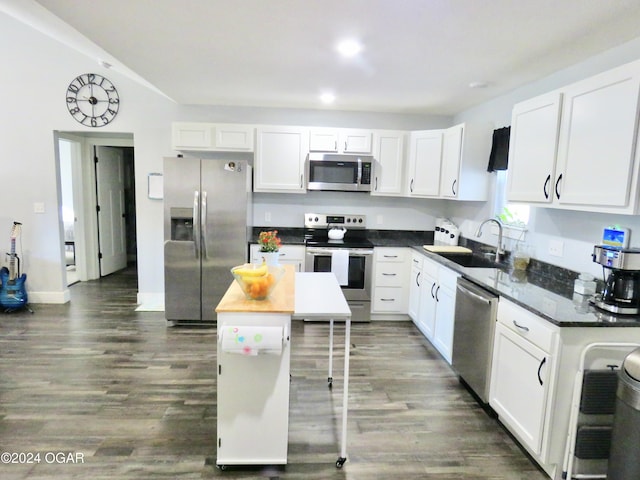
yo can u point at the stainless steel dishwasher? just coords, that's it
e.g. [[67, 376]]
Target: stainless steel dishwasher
[[475, 321]]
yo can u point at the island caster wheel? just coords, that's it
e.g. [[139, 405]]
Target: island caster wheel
[[340, 462], [330, 381], [222, 467]]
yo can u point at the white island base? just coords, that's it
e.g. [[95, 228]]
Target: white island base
[[253, 384]]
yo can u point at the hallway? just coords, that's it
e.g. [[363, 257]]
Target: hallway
[[133, 398]]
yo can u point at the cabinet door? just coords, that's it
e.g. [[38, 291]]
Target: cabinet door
[[192, 136], [356, 141], [427, 304], [414, 288], [598, 138], [425, 158], [451, 155], [279, 159], [519, 386], [388, 168], [323, 140], [445, 317], [535, 125], [234, 137]]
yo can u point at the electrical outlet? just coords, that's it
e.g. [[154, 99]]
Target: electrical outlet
[[38, 207], [267, 216], [556, 248], [379, 219]]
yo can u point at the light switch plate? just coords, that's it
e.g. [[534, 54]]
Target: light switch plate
[[38, 207]]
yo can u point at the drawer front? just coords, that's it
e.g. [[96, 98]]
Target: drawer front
[[389, 299], [387, 254], [390, 275], [526, 324]]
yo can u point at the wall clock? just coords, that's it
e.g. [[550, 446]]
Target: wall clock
[[92, 100]]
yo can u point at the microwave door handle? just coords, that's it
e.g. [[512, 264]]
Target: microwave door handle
[[359, 179]]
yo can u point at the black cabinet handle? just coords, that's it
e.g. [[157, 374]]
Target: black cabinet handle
[[417, 278], [521, 327], [453, 187], [544, 360], [557, 184], [544, 187], [437, 290], [432, 287], [411, 186]]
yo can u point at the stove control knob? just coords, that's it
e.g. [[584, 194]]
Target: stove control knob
[[360, 220]]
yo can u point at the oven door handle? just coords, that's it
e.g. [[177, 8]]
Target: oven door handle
[[329, 251]]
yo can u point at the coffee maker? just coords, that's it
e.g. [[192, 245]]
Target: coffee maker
[[621, 294]]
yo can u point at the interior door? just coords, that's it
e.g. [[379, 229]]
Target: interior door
[[112, 239]]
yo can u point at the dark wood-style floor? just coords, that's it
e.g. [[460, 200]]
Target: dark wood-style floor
[[127, 397]]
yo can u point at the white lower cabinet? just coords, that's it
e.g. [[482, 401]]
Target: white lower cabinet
[[414, 286], [432, 301], [521, 386], [522, 377], [289, 255], [390, 275]]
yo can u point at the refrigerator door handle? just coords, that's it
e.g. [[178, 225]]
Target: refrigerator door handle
[[203, 223], [196, 221]]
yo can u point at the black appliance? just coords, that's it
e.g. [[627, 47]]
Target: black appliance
[[621, 292]]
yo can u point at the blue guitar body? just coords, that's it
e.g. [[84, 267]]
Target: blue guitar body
[[13, 294]]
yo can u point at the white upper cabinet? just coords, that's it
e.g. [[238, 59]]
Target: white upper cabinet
[[465, 156], [279, 164], [597, 147], [576, 148], [388, 169], [212, 137], [340, 140], [533, 145], [425, 158]]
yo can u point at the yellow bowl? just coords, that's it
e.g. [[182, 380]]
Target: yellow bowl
[[257, 281]]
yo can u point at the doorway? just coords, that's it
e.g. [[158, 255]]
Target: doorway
[[97, 204]]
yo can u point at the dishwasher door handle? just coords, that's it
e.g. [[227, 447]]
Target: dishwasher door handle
[[480, 298]]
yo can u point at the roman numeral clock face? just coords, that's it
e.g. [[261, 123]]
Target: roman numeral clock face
[[92, 100]]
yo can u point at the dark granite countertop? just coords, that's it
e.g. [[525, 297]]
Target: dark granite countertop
[[551, 302], [548, 296]]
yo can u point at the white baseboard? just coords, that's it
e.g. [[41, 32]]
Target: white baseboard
[[150, 302], [49, 297]]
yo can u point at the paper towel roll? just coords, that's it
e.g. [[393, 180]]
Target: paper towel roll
[[252, 340], [340, 266]]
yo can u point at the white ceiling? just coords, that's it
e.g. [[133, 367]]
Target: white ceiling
[[419, 55]]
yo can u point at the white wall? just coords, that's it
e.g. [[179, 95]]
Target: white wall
[[35, 73], [34, 76], [578, 231]]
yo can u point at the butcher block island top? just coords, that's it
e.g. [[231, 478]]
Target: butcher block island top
[[281, 300]]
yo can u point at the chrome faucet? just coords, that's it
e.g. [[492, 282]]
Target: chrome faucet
[[499, 250]]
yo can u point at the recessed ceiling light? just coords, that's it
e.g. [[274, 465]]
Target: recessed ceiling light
[[478, 85], [349, 48], [327, 98]]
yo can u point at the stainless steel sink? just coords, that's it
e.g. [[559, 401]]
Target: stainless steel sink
[[471, 260]]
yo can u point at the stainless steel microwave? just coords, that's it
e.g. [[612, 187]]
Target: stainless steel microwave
[[347, 173]]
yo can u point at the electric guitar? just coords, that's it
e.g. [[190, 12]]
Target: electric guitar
[[13, 294]]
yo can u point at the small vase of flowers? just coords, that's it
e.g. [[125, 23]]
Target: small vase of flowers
[[269, 246]]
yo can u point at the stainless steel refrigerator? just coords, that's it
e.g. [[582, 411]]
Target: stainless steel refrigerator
[[207, 218]]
